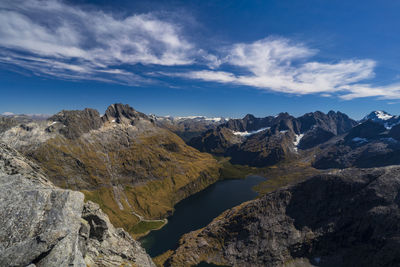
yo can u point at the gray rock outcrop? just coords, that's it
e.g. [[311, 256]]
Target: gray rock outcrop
[[42, 225], [74, 123], [105, 245]]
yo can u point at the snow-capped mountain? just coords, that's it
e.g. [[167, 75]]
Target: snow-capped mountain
[[383, 117]]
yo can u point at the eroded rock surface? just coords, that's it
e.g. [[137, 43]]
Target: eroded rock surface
[[106, 245], [42, 225]]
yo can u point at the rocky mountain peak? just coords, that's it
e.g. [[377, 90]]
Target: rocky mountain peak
[[121, 113], [283, 115], [331, 112], [249, 117], [378, 115], [383, 118], [74, 123]]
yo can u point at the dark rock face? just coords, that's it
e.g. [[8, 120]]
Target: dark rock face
[[395, 132], [264, 148], [266, 141], [121, 113], [187, 127], [74, 123], [319, 127], [314, 137], [249, 123], [346, 218], [369, 144], [368, 129], [216, 141]]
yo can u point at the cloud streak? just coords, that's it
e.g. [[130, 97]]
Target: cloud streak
[[51, 38], [276, 64]]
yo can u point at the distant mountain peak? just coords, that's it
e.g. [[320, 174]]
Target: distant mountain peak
[[249, 117], [382, 117], [378, 115], [121, 113]]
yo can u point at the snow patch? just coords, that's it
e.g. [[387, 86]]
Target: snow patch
[[246, 133], [383, 115], [389, 126], [359, 140], [283, 131], [296, 141]]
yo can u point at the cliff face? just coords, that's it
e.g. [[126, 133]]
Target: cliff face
[[42, 225], [122, 161], [346, 218], [369, 144]]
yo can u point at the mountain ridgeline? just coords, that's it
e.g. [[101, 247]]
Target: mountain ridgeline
[[266, 141], [188, 127], [122, 160], [131, 169], [372, 143]]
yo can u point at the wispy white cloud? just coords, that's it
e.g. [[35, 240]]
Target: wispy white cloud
[[276, 64], [391, 91], [51, 37]]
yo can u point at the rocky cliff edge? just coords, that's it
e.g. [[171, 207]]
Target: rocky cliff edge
[[42, 225]]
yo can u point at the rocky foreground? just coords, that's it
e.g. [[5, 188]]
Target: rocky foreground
[[345, 218], [42, 225]]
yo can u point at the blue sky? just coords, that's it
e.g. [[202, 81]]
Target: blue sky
[[213, 58]]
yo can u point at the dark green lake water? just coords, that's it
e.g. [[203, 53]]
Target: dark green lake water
[[199, 210]]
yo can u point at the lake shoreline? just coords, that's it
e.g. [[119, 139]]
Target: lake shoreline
[[198, 210]]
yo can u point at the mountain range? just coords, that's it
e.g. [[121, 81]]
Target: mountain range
[[131, 169], [266, 141], [122, 160]]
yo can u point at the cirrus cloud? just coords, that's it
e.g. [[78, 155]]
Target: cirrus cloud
[[276, 64], [53, 38]]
